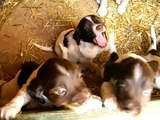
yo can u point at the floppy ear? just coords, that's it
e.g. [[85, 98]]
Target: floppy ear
[[154, 65], [64, 51], [35, 91], [76, 36]]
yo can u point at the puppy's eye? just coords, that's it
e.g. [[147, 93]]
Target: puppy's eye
[[60, 91], [99, 27], [80, 75], [122, 87]]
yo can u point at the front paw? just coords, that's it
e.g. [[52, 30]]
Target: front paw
[[121, 9], [98, 1], [93, 103], [102, 11], [110, 104], [118, 2], [9, 111]]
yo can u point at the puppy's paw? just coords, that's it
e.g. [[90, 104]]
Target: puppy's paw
[[121, 9], [9, 111], [98, 1], [118, 2], [110, 104], [94, 103], [102, 11]]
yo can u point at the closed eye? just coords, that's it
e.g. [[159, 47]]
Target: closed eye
[[123, 87]]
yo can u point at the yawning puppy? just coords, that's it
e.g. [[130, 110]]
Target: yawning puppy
[[102, 10], [82, 44], [128, 81], [57, 82]]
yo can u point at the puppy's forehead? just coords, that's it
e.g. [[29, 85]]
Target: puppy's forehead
[[62, 69], [137, 72], [94, 19]]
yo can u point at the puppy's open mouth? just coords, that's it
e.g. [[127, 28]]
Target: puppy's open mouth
[[101, 40]]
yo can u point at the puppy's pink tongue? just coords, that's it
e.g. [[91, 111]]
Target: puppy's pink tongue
[[101, 40]]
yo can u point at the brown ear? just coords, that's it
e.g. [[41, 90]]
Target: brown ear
[[154, 65]]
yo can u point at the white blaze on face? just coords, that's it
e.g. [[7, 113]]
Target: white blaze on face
[[137, 72], [62, 70]]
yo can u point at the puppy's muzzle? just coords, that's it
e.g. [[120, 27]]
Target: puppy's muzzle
[[131, 107]]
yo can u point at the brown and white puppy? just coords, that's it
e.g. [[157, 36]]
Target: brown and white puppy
[[57, 82], [82, 44], [102, 10], [152, 56], [128, 81]]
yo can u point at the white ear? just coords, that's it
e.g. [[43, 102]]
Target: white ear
[[64, 51]]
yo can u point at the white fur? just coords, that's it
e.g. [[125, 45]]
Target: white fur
[[122, 6], [137, 72], [112, 47], [90, 50], [62, 69], [44, 48], [102, 10], [93, 103], [157, 81], [153, 46]]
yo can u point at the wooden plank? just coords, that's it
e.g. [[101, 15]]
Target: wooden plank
[[151, 111]]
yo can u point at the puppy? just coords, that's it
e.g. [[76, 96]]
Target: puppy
[[152, 56], [9, 89], [128, 81], [82, 44], [57, 82], [102, 10]]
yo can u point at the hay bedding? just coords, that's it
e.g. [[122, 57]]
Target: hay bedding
[[25, 21]]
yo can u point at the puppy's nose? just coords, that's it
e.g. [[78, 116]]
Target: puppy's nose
[[132, 107], [128, 106]]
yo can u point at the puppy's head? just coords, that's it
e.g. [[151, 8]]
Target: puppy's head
[[134, 85], [133, 82], [60, 81], [91, 29]]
